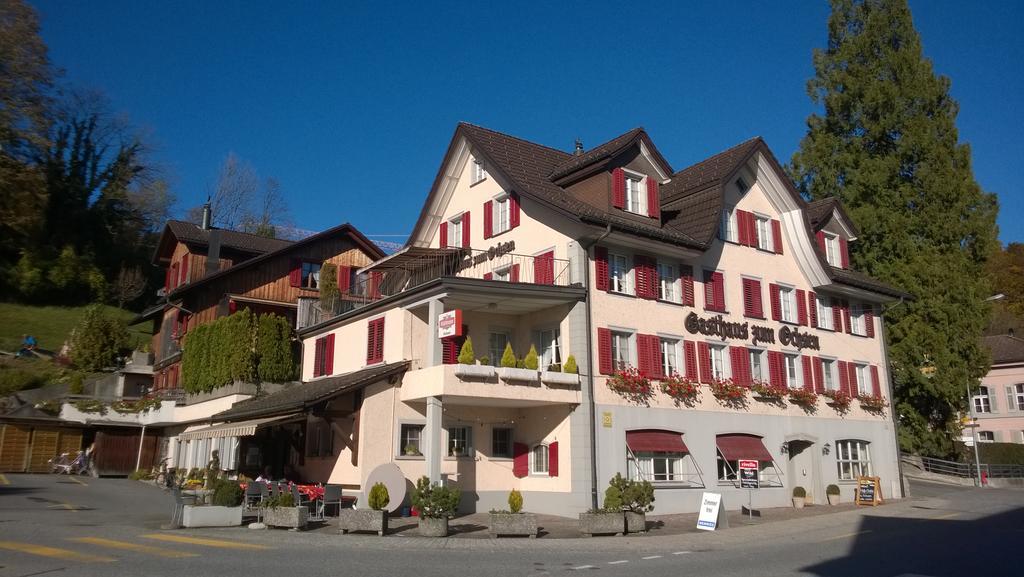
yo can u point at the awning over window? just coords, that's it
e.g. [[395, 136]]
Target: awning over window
[[655, 441], [239, 429], [736, 446]]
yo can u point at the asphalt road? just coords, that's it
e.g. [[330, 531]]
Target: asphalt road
[[103, 527]]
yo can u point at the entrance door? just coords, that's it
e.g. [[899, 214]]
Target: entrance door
[[801, 467]]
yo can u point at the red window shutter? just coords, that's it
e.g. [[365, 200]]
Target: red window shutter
[[466, 236], [844, 378], [513, 210], [375, 278], [553, 459], [690, 354], [318, 357], [442, 233], [752, 298], [776, 375], [657, 363], [448, 356], [854, 391], [371, 342], [801, 307], [601, 267], [652, 276], [773, 294], [375, 341], [520, 460], [653, 202], [544, 268], [742, 230], [329, 355], [604, 351], [513, 273], [808, 372], [812, 308], [640, 269], [844, 253], [819, 376], [618, 188], [846, 317], [489, 219], [344, 279], [488, 276], [643, 356], [295, 272], [686, 276], [704, 362], [737, 357], [777, 236], [876, 384], [714, 291], [820, 237], [869, 320], [184, 270], [752, 230], [720, 291], [837, 316], [380, 340]]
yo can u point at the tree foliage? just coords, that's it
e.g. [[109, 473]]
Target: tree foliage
[[98, 340], [240, 347], [240, 201], [888, 146]]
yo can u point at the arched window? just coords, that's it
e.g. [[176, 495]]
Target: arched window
[[853, 459]]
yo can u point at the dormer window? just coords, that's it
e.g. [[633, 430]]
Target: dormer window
[[636, 194], [832, 249], [479, 172]]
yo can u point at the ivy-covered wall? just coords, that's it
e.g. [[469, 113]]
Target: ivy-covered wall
[[240, 347]]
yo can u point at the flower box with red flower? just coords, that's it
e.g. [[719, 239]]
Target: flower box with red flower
[[803, 397], [727, 390], [768, 392], [839, 400], [680, 388], [872, 402], [630, 383]]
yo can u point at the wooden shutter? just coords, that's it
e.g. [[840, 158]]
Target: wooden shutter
[[844, 254], [653, 202], [876, 384], [854, 389], [801, 307], [601, 268], [544, 268], [773, 296], [752, 306], [318, 356], [642, 271], [448, 354], [752, 230], [329, 353], [618, 188], [777, 236], [442, 234], [808, 372], [553, 459], [466, 236], [489, 219], [812, 308], [820, 237], [375, 341], [844, 378], [837, 315], [686, 280], [819, 375], [513, 210], [739, 358], [513, 273], [714, 291], [643, 356], [742, 231], [846, 317], [344, 279], [520, 460], [183, 278], [869, 320], [657, 362], [295, 272], [690, 352], [704, 362], [174, 275], [776, 374], [604, 351]]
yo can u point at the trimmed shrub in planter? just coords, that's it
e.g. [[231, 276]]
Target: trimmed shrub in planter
[[433, 526], [282, 512], [436, 504], [513, 521], [799, 497], [373, 519], [832, 492], [634, 498], [516, 374], [602, 522]]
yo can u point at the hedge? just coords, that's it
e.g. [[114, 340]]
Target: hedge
[[1000, 453], [239, 347]]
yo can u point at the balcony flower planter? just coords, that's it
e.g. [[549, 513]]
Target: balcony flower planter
[[632, 385], [804, 398], [681, 390], [519, 375], [211, 516], [603, 523], [290, 517], [838, 400], [768, 393], [729, 393], [474, 372], [872, 403], [433, 526], [513, 524], [363, 520], [636, 522], [563, 379]]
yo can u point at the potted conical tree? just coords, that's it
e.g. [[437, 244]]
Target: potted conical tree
[[373, 519]]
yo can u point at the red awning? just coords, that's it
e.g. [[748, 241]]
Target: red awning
[[736, 447], [653, 440]]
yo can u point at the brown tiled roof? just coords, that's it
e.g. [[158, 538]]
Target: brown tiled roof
[[820, 211], [303, 395], [606, 151], [1005, 349], [862, 281], [710, 171], [193, 234]]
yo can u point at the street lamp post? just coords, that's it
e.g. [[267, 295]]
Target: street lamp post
[[974, 436]]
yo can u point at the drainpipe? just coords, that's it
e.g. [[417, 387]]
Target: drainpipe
[[138, 458], [590, 367]]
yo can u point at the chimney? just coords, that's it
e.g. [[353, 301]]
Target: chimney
[[579, 148], [207, 216]]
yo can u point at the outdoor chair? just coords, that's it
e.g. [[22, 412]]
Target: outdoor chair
[[303, 500], [253, 496], [264, 491], [274, 491], [332, 496]]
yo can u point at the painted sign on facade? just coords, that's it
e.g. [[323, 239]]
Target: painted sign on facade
[[449, 324]]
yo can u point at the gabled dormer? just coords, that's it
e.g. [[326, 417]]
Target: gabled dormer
[[833, 231]]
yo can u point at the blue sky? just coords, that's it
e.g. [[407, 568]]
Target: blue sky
[[351, 105]]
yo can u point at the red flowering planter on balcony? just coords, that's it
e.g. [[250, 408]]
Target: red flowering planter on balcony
[[681, 389], [873, 403], [838, 400], [767, 392], [728, 392], [631, 384], [806, 399]]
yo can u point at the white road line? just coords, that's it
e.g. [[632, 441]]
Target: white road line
[[682, 552], [618, 562], [651, 557], [582, 567]]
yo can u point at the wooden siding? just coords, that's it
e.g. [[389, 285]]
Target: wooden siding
[[14, 443], [117, 451], [29, 449]]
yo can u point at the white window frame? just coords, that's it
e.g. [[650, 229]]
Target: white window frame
[[863, 378], [636, 198], [825, 318], [642, 466], [792, 370], [503, 274], [858, 326], [986, 436], [1018, 392], [729, 232], [853, 459], [758, 364], [403, 441], [479, 172], [549, 340], [788, 304], [622, 361], [501, 210], [455, 232], [467, 441], [540, 460], [720, 366], [828, 374], [668, 283], [982, 403], [511, 442], [620, 273], [765, 236], [832, 253], [671, 355]]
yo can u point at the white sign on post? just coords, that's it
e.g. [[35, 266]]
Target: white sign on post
[[710, 503]]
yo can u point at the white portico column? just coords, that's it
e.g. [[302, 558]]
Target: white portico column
[[434, 450], [434, 310]]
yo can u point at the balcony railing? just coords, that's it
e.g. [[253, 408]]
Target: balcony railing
[[397, 275]]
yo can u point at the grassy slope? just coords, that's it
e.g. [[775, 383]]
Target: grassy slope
[[52, 325]]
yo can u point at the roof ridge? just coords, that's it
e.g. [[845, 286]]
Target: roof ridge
[[231, 230], [720, 153], [523, 140]]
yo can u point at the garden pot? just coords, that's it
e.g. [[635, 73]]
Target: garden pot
[[479, 372], [433, 526], [291, 517], [636, 522], [211, 516], [513, 524], [833, 499], [602, 524], [522, 375], [563, 379], [799, 502], [363, 520]]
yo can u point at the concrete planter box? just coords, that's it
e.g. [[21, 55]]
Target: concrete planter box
[[291, 517], [211, 516], [563, 379], [523, 375], [602, 524], [833, 499], [474, 372], [636, 522], [433, 527], [513, 524], [363, 520]]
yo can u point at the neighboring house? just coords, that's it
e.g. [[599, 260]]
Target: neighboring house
[[999, 402], [718, 271]]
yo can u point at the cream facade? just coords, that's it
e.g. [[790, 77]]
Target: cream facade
[[998, 406]]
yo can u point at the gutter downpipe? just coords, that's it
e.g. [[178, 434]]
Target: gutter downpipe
[[590, 366]]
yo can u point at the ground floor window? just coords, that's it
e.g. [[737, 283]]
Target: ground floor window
[[734, 447], [539, 464], [657, 467], [460, 441], [986, 436], [853, 459], [411, 440], [501, 442]]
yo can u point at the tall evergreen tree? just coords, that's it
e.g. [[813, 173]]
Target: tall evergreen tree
[[887, 145]]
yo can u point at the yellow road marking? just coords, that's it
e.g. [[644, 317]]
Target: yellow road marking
[[946, 516], [43, 551], [845, 536], [4, 481], [79, 481], [204, 542], [158, 551]]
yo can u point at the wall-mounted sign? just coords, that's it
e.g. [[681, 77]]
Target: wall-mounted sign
[[449, 324], [725, 330], [606, 419], [748, 474]]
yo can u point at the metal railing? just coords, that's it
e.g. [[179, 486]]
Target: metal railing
[[965, 470]]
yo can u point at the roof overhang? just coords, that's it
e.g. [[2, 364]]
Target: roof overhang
[[411, 258], [506, 298], [237, 429]]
